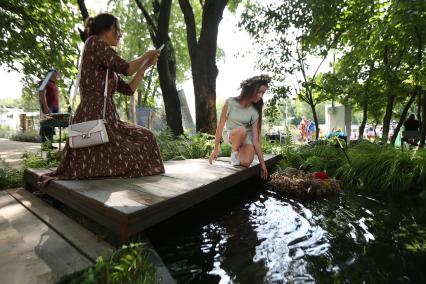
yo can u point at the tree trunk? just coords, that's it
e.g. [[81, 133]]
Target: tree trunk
[[391, 99], [203, 60], [364, 121], [84, 16], [314, 114], [167, 71], [419, 108], [166, 63], [387, 118], [404, 113], [423, 131]]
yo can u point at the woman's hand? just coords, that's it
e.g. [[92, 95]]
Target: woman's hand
[[214, 155], [152, 57], [263, 172]]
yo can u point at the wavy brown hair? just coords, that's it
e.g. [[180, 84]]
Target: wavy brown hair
[[251, 86]]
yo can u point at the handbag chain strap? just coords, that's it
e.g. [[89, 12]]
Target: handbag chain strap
[[77, 87]]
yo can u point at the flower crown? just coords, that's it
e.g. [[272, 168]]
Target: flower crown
[[265, 79]]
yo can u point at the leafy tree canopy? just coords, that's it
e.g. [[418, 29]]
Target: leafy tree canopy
[[39, 35]]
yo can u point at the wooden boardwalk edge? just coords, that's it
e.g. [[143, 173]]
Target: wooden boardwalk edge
[[128, 221]]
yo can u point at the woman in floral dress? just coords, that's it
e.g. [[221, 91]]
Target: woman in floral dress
[[132, 150]]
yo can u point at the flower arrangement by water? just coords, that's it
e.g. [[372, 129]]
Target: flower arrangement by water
[[304, 184]]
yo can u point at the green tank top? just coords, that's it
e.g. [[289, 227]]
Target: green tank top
[[238, 116]]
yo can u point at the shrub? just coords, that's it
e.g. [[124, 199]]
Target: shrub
[[64, 137], [10, 178], [323, 157], [183, 147], [35, 160], [372, 166], [29, 136], [128, 264]]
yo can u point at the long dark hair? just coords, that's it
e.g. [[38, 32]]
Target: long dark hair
[[251, 86], [99, 24]]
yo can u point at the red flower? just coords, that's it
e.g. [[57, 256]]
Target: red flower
[[320, 175]]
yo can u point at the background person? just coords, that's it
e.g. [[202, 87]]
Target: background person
[[412, 124], [411, 133], [49, 103]]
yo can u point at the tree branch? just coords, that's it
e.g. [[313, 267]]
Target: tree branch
[[83, 10], [191, 32], [84, 16], [164, 19], [322, 61], [151, 25]]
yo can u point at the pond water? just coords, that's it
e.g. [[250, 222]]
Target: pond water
[[250, 234]]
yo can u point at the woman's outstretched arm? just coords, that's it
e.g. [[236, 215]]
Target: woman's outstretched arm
[[258, 149], [136, 64]]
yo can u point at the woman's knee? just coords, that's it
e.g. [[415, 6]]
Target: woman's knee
[[238, 132], [246, 161]]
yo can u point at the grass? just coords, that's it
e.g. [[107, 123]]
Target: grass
[[372, 168], [379, 168], [10, 177]]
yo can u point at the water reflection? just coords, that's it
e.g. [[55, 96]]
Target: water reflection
[[253, 235]]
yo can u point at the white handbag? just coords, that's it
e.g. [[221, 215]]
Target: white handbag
[[92, 132]]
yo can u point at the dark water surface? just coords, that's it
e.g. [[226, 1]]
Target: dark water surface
[[250, 234]]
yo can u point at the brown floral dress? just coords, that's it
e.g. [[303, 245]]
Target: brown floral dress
[[132, 150]]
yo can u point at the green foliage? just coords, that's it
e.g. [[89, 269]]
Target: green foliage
[[9, 177], [198, 146], [379, 46], [285, 54], [271, 147], [378, 168], [35, 160], [64, 137], [29, 136], [412, 238], [325, 158], [129, 264], [10, 102], [372, 167], [38, 35]]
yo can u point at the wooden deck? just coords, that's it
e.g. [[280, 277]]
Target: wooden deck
[[128, 206]]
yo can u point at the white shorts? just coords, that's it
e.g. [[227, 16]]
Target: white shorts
[[248, 140]]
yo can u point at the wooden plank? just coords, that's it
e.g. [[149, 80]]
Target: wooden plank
[[127, 206], [31, 252], [67, 228]]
